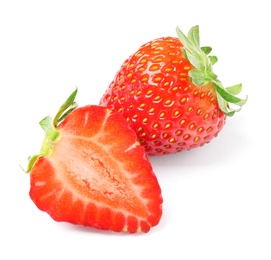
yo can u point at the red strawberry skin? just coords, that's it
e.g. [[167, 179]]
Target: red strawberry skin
[[97, 175], [154, 92]]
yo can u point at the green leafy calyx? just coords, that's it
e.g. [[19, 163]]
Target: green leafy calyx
[[202, 73], [50, 126]]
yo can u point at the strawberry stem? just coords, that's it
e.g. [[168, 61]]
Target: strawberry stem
[[203, 71], [50, 126]]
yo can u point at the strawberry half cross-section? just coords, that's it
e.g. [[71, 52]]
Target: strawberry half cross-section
[[92, 171]]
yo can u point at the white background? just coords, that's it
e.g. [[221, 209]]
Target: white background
[[216, 198]]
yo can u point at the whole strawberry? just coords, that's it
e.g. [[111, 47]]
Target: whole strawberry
[[170, 96]]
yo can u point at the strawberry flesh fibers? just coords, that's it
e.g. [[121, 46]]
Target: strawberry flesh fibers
[[96, 174]]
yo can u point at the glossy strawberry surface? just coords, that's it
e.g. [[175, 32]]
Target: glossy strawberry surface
[[171, 105], [153, 91]]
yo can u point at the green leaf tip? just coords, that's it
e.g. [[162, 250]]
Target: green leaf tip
[[67, 107], [52, 134], [203, 73]]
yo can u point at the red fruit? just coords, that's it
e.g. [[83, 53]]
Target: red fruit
[[170, 96], [92, 171]]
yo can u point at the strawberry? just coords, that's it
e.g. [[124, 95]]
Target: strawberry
[[92, 171], [170, 96]]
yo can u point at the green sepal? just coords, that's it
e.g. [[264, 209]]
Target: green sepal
[[192, 59], [31, 162], [46, 123], [235, 90], [67, 107], [224, 106], [213, 59], [193, 37], [203, 71], [50, 126], [206, 49], [228, 96], [197, 76], [68, 111]]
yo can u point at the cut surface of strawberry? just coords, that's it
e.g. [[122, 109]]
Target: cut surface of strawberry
[[93, 172]]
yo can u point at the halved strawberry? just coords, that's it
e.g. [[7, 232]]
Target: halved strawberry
[[92, 171], [170, 96]]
